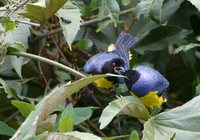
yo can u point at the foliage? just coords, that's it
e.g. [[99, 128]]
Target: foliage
[[45, 94]]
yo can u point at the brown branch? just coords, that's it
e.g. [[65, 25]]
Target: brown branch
[[84, 23]]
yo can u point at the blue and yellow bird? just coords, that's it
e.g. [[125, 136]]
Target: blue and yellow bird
[[115, 62], [148, 84]]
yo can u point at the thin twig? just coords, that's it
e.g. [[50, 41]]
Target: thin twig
[[27, 22], [61, 53], [18, 7], [91, 124], [48, 61]]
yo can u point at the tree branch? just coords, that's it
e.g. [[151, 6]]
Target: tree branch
[[48, 61]]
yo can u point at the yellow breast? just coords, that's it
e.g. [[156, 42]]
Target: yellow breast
[[152, 99]]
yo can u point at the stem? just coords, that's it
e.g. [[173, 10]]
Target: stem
[[48, 61]]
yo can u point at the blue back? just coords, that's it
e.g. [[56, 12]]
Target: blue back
[[150, 80]]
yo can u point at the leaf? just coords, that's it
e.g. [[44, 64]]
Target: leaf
[[24, 108], [83, 136], [70, 30], [60, 136], [66, 121], [47, 124], [186, 47], [81, 114], [149, 8], [198, 89], [161, 37], [181, 122], [112, 7], [126, 2], [103, 24], [49, 103], [196, 3], [6, 88], [8, 23], [63, 75], [84, 43], [12, 39], [44, 9], [134, 135], [6, 130], [129, 105]]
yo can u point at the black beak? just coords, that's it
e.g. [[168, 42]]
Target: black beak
[[119, 70]]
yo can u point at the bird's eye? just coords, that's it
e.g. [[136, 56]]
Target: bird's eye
[[114, 64]]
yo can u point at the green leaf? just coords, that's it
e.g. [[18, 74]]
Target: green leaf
[[44, 9], [81, 114], [161, 37], [126, 2], [110, 7], [84, 43], [63, 75], [186, 47], [103, 24], [134, 135], [6, 88], [12, 39], [49, 103], [196, 3], [24, 108], [6, 130], [149, 8], [182, 123], [129, 105], [70, 13], [8, 23], [66, 121], [83, 135], [198, 89]]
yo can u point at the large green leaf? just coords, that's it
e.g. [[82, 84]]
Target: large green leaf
[[161, 37], [181, 122], [196, 3], [43, 10], [149, 8], [129, 105], [6, 130], [24, 108], [48, 104], [110, 7], [72, 14]]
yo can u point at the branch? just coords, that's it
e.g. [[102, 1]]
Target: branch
[[84, 23], [48, 61]]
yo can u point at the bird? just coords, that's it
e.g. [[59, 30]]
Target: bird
[[115, 62], [147, 84]]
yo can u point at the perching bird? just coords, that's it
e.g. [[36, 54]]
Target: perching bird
[[148, 84], [115, 62]]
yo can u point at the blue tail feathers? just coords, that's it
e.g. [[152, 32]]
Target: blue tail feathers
[[125, 40]]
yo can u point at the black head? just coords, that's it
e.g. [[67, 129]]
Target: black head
[[115, 66], [132, 76]]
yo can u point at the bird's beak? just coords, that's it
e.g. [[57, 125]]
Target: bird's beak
[[119, 70]]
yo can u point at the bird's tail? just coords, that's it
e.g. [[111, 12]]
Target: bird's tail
[[124, 42]]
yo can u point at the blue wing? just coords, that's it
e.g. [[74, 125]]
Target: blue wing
[[95, 64], [149, 80]]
